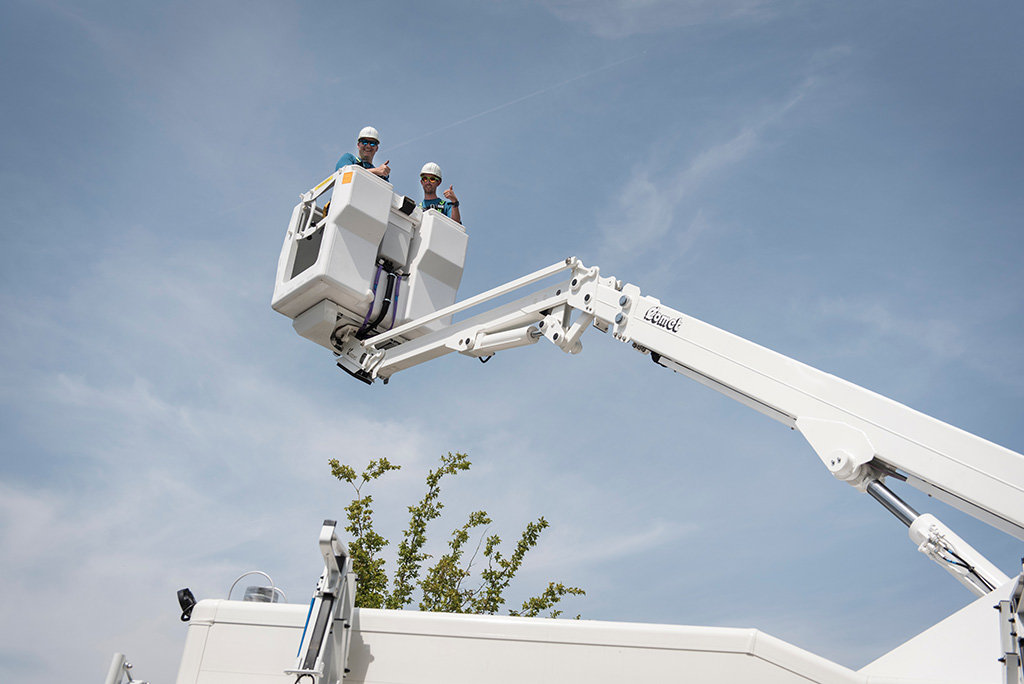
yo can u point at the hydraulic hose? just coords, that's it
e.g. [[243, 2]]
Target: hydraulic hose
[[385, 304], [369, 311]]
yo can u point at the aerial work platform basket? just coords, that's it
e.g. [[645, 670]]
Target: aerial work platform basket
[[359, 258]]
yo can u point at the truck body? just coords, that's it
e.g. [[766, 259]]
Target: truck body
[[230, 642]]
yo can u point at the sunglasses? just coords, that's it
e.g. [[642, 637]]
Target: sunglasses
[[432, 179], [370, 143]]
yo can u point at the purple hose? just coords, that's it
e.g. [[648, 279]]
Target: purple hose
[[376, 279]]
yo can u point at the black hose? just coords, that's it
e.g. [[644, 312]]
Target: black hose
[[365, 331]]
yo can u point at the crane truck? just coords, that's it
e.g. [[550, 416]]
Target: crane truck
[[370, 276]]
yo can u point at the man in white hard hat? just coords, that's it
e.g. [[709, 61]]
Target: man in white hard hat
[[430, 179], [366, 145]]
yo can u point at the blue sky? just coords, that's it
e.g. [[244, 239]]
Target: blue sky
[[840, 183]]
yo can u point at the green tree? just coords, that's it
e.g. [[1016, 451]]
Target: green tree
[[448, 585]]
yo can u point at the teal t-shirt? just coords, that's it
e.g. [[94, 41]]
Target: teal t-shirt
[[441, 205], [349, 159]]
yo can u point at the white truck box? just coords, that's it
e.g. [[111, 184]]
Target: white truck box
[[230, 642]]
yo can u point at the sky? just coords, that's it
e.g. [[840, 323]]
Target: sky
[[839, 182]]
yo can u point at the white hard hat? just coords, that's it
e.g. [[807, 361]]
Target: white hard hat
[[431, 168], [369, 132]]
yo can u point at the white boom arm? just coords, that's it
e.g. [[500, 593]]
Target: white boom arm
[[860, 436]]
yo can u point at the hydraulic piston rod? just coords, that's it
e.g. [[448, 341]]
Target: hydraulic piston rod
[[941, 544], [894, 504]]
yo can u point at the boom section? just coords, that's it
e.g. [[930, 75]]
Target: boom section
[[859, 435]]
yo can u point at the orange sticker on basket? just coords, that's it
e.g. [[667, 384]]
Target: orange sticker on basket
[[346, 177]]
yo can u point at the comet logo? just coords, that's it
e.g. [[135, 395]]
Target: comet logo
[[655, 316]]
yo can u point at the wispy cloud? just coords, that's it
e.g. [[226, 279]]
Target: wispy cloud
[[975, 338], [877, 319], [514, 101], [621, 18], [645, 217], [567, 548], [159, 491]]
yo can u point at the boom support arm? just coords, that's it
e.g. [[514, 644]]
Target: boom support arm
[[859, 435], [322, 658]]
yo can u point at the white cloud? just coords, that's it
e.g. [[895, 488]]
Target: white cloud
[[26, 519], [570, 548], [975, 337], [622, 18], [162, 494], [644, 218], [875, 318]]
